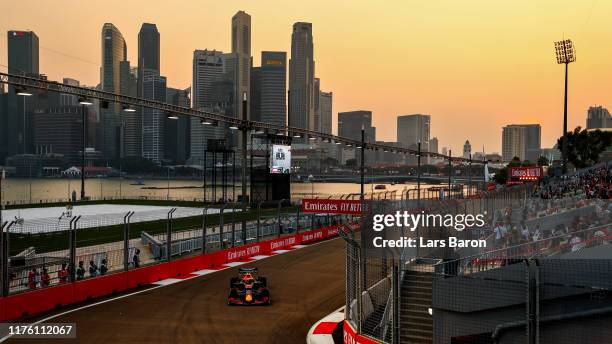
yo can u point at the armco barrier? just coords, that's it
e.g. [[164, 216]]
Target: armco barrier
[[43, 300]]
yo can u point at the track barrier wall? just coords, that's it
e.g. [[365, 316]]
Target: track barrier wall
[[44, 300]]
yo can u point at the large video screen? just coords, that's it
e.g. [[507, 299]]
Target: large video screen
[[280, 160]]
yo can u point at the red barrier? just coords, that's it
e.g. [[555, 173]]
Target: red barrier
[[352, 337], [2, 308], [42, 300], [38, 301], [98, 287]]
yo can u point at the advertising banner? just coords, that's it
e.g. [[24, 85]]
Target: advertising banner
[[526, 173], [280, 161], [331, 206]]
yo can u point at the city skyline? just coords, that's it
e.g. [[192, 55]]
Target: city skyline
[[481, 84]]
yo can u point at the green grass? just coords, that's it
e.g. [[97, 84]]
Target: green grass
[[55, 241]]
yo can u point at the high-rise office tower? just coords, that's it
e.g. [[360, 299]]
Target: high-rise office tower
[[301, 77], [23, 60], [255, 95], [412, 129], [148, 63], [3, 124], [349, 126], [273, 87], [317, 116], [131, 122], [177, 131], [114, 50], [212, 89], [325, 111], [241, 47], [153, 120], [148, 47], [598, 117], [533, 142], [513, 142], [433, 145]]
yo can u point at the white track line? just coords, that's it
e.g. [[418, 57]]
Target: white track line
[[136, 293]]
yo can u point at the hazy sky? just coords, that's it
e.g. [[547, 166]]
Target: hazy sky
[[473, 65]]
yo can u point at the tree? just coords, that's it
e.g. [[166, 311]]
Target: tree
[[584, 146], [516, 162], [543, 161], [501, 176]]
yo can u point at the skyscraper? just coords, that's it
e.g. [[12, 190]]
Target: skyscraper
[[23, 60], [212, 78], [131, 121], [255, 95], [598, 117], [273, 87], [412, 129], [114, 50], [148, 47], [433, 145], [325, 111], [513, 142], [241, 47], [317, 115], [153, 88], [533, 142], [3, 124], [301, 77], [349, 126], [177, 132]]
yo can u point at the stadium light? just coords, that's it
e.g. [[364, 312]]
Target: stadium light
[[128, 108], [566, 54], [172, 116], [22, 91], [233, 127], [206, 122], [85, 101]]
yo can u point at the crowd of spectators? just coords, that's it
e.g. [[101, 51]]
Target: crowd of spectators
[[591, 183]]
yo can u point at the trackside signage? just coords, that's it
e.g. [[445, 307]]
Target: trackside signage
[[331, 206], [526, 173]]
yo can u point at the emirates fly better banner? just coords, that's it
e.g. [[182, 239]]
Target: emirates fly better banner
[[331, 206]]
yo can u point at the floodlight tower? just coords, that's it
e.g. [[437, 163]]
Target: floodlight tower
[[565, 55]]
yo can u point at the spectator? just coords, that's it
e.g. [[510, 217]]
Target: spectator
[[37, 279], [80, 271], [46, 279], [93, 269], [32, 278], [103, 267], [136, 258], [62, 274]]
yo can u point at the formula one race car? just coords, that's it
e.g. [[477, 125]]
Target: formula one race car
[[248, 289]]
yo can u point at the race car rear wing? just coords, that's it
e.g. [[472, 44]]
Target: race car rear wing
[[245, 270]]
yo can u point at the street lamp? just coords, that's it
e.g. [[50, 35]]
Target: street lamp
[[565, 55], [84, 104]]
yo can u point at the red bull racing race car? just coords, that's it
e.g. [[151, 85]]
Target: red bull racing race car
[[248, 289]]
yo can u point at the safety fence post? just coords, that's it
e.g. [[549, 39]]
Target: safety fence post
[[126, 240], [204, 211], [169, 235]]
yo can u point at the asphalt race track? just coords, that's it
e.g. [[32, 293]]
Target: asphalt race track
[[305, 284]]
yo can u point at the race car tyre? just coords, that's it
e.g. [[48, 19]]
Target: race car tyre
[[264, 281]]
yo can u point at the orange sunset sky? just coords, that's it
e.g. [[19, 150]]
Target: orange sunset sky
[[473, 65]]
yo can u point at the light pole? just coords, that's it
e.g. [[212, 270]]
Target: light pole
[[565, 55], [22, 91], [84, 104]]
